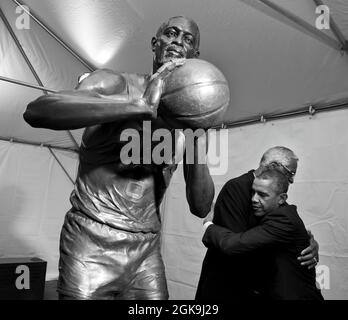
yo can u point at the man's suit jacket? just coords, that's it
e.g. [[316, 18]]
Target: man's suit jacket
[[283, 234], [229, 277]]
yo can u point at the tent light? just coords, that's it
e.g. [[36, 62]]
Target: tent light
[[83, 76]]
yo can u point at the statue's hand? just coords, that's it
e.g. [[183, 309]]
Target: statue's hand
[[167, 68], [155, 87]]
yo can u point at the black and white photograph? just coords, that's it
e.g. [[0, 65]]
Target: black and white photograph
[[174, 150]]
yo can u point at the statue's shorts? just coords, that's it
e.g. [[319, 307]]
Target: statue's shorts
[[101, 262]]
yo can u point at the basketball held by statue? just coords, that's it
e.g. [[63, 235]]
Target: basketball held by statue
[[196, 95]]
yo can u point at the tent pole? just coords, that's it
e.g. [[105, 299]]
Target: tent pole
[[311, 110], [61, 165], [72, 138], [335, 29], [88, 65], [37, 144], [305, 25], [46, 146], [26, 84], [24, 55], [20, 48]]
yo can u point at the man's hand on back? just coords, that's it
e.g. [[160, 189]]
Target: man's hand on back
[[310, 256]]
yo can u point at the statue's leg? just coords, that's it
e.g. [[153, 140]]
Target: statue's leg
[[149, 282]]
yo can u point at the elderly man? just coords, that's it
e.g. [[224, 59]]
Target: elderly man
[[110, 240], [231, 277], [280, 234]]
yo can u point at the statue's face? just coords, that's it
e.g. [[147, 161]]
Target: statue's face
[[178, 39]]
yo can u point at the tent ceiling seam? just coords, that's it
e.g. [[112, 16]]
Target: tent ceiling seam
[[311, 111], [72, 138], [61, 165], [37, 144]]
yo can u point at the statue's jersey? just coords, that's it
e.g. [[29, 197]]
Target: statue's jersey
[[123, 196]]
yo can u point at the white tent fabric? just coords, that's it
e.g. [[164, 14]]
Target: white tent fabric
[[273, 65], [54, 66], [34, 193], [258, 50]]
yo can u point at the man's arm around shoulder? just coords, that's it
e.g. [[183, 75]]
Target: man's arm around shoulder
[[275, 229]]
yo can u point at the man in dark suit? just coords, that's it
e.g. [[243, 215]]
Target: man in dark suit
[[229, 277], [280, 231]]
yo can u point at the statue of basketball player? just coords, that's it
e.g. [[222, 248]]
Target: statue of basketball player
[[110, 240]]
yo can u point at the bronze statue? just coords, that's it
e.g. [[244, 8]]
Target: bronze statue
[[110, 240]]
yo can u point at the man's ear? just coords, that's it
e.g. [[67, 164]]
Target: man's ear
[[153, 43], [282, 198]]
